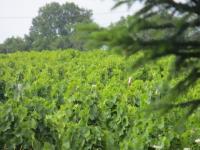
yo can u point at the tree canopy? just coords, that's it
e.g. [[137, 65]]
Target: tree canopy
[[58, 20], [55, 24]]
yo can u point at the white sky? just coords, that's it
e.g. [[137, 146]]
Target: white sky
[[16, 15]]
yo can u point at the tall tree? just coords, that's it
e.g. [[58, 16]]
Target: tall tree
[[55, 21], [162, 28]]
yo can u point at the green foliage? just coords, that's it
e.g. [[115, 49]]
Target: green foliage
[[57, 20], [53, 28], [162, 28], [54, 25], [105, 38], [85, 36], [13, 44], [75, 100]]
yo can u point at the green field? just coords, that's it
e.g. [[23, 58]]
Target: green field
[[90, 100]]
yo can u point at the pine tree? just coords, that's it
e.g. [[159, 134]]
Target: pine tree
[[162, 28]]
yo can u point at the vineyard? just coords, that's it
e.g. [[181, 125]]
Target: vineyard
[[60, 100]]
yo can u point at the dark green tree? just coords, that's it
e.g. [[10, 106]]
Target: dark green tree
[[162, 28], [2, 48], [13, 44], [55, 24]]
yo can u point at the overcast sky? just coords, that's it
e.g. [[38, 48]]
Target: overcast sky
[[16, 15]]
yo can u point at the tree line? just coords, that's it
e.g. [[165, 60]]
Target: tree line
[[55, 27]]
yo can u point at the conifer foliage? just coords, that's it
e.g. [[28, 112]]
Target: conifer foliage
[[162, 28]]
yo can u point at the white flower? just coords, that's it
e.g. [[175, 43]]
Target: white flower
[[19, 86], [157, 146], [197, 141], [94, 86], [129, 81], [186, 149]]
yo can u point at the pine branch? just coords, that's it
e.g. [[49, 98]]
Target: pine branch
[[169, 43], [188, 103]]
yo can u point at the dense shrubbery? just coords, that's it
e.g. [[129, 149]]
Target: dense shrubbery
[[74, 100]]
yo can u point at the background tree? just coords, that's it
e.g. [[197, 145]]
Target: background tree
[[163, 28], [53, 28], [13, 44], [55, 24], [2, 49]]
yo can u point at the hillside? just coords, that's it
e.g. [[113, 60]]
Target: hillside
[[89, 100]]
